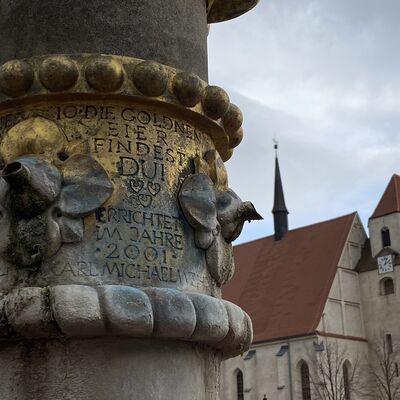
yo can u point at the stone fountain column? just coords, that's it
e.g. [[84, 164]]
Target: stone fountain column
[[116, 219]]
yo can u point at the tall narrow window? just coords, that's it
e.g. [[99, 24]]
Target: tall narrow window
[[389, 343], [346, 380], [239, 385], [388, 286], [385, 233], [305, 381]]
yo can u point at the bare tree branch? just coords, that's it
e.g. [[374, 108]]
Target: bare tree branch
[[384, 372], [327, 380]]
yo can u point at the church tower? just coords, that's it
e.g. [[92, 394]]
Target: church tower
[[384, 223], [279, 210], [379, 273]]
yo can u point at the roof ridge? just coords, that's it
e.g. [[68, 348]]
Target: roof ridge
[[275, 280], [252, 241], [325, 221], [300, 227]]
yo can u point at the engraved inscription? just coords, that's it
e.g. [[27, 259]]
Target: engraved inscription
[[139, 236]]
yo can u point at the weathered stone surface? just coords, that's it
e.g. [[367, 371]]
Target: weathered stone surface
[[41, 136], [215, 102], [28, 314], [188, 88], [58, 73], [232, 214], [111, 74], [222, 10], [108, 368], [4, 326], [220, 260], [150, 78], [212, 318], [174, 313], [115, 212], [131, 312], [76, 310], [123, 161], [104, 74], [198, 202], [45, 205], [16, 77], [99, 221], [240, 333], [4, 217], [172, 32], [128, 311], [215, 212]]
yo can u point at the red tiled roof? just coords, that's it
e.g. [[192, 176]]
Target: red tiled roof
[[390, 200], [284, 285]]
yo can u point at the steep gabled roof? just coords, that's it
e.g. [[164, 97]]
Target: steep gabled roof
[[390, 200], [283, 285]]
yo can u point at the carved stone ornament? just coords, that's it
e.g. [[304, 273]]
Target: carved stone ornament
[[215, 212], [131, 77], [115, 214], [114, 194], [45, 193], [115, 310]]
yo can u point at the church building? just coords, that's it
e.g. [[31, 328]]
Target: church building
[[321, 292]]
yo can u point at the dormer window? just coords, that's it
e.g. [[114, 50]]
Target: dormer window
[[385, 234]]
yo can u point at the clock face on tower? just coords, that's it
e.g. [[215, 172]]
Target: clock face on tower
[[385, 264]]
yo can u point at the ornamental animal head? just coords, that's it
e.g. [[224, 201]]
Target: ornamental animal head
[[211, 212], [215, 212], [42, 204]]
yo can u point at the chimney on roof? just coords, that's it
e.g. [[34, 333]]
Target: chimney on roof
[[279, 211]]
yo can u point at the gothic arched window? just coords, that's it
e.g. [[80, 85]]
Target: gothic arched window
[[385, 234], [305, 381], [239, 385], [346, 380]]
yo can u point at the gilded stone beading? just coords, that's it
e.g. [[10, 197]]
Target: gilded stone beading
[[133, 220], [124, 76]]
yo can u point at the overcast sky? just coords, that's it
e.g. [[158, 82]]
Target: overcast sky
[[323, 77]]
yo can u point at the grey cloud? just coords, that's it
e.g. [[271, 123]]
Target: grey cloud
[[322, 76], [328, 169]]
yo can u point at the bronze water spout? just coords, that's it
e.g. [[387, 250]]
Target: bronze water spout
[[43, 205], [34, 185]]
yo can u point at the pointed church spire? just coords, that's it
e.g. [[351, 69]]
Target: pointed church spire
[[279, 211]]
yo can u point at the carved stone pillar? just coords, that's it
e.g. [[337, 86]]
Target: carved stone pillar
[[115, 214]]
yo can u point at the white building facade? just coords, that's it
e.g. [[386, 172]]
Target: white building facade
[[350, 313]]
